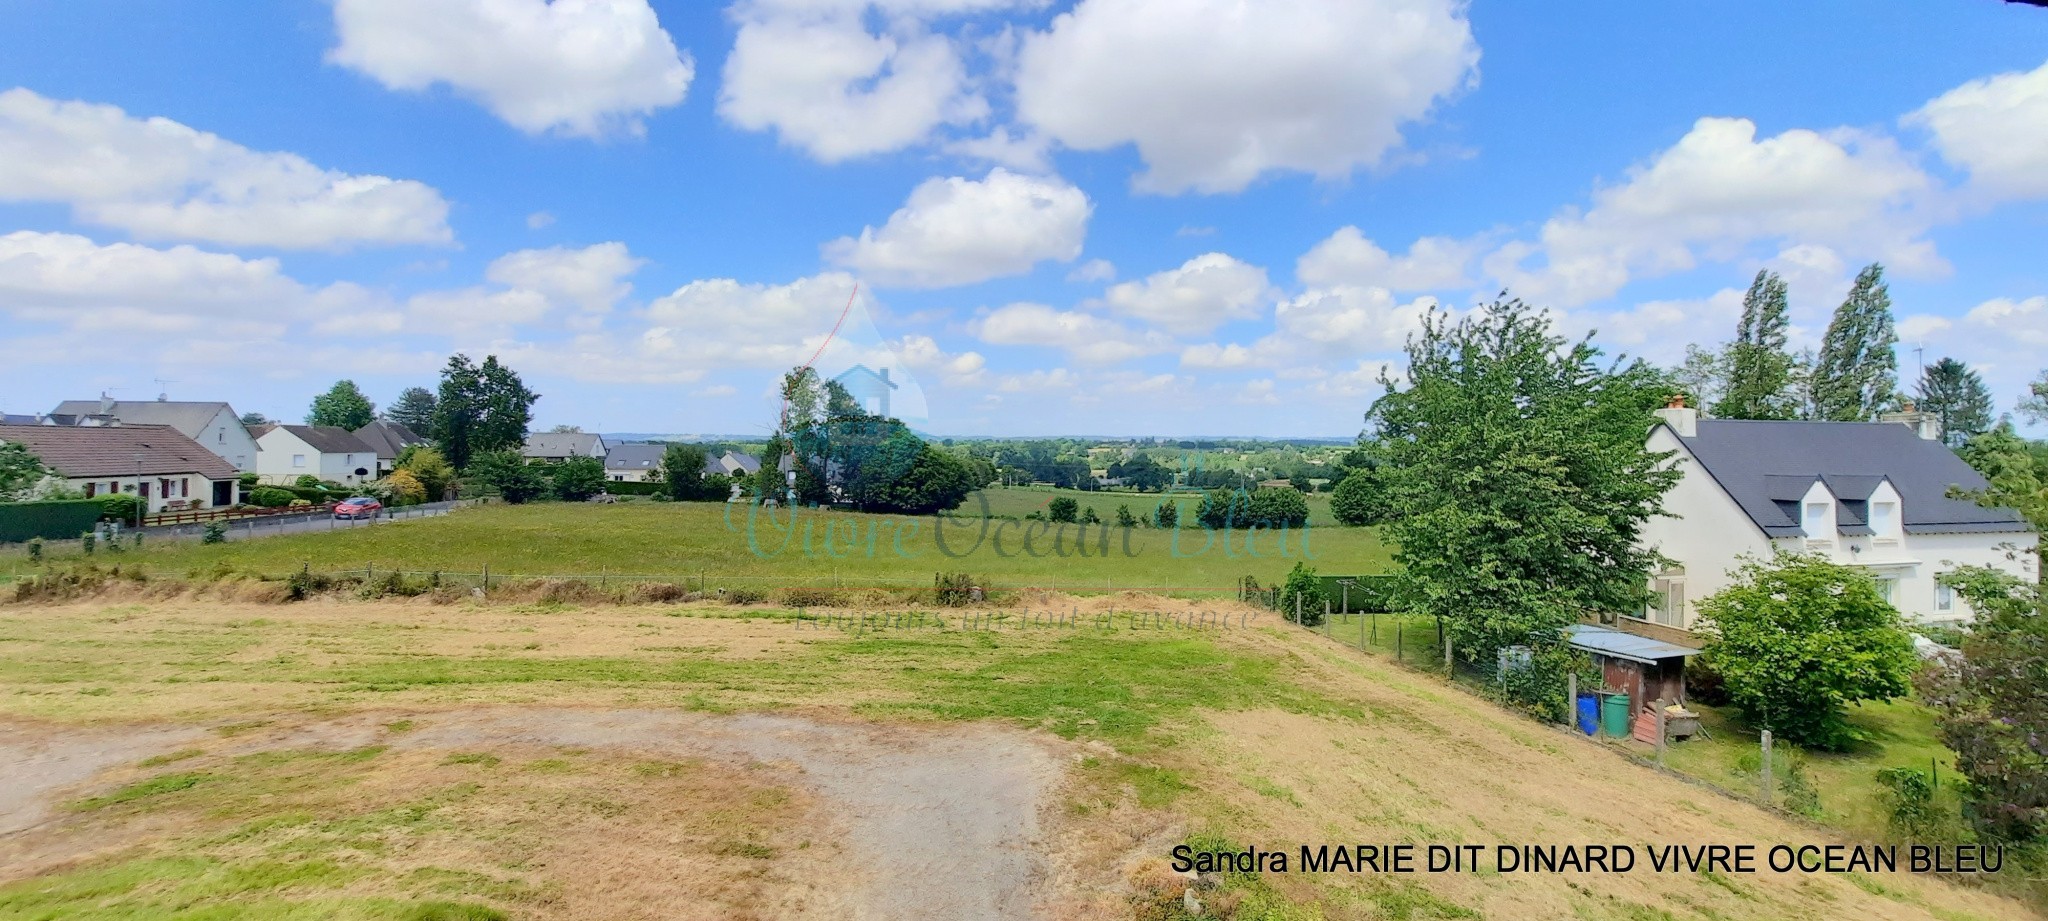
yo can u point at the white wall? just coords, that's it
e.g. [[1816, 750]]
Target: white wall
[[1705, 532], [227, 437], [279, 446], [1913, 562]]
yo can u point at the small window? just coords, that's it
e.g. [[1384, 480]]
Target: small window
[[1886, 588], [1944, 598], [298, 460], [1817, 519], [1884, 517]]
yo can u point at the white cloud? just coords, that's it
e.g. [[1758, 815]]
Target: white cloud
[[727, 323], [1094, 270], [1259, 392], [159, 179], [2023, 321], [1718, 191], [922, 353], [1997, 128], [1215, 93], [1054, 379], [589, 68], [1317, 326], [813, 73], [960, 231], [540, 220], [1348, 258], [1024, 151], [1085, 336], [592, 279], [1203, 293], [1660, 330], [60, 277]]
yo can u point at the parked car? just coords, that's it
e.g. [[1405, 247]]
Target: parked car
[[358, 507]]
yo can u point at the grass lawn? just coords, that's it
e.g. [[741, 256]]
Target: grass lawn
[[736, 545], [1018, 501], [336, 759]]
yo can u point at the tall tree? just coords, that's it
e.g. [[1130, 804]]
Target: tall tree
[[2035, 404], [1957, 396], [1992, 704], [342, 405], [1703, 376], [481, 408], [20, 471], [413, 409], [1517, 482], [1759, 367], [1856, 376]]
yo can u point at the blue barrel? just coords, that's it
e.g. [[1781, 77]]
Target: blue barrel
[[1589, 714]]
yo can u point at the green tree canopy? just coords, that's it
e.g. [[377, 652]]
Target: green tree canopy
[[1856, 376], [20, 471], [682, 472], [1798, 638], [481, 408], [1516, 478], [2034, 405], [1359, 499], [343, 405], [1957, 396], [428, 466], [1992, 705], [1759, 369], [414, 409], [577, 478], [515, 480]]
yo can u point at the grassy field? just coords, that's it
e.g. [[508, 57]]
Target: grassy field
[[725, 545], [346, 759], [1018, 501]]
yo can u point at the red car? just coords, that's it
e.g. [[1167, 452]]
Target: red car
[[358, 507]]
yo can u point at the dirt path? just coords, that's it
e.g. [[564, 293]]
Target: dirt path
[[933, 823]]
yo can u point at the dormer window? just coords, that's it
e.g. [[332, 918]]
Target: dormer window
[[1817, 524], [1884, 520]]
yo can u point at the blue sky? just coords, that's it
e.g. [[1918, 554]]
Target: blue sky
[[1104, 216]]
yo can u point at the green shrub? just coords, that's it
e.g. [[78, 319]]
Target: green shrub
[[807, 598], [35, 550], [119, 506], [86, 542], [1064, 509], [744, 596], [1167, 515], [956, 589], [1088, 516], [216, 533], [1302, 584], [307, 481], [270, 497], [1910, 795], [249, 480]]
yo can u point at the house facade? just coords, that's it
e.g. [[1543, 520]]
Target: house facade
[[213, 425], [325, 452], [157, 462], [1868, 494], [633, 463], [556, 447]]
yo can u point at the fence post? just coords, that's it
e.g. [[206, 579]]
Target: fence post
[[1766, 778], [1660, 731], [1297, 607], [1361, 633], [487, 577], [1571, 698], [1399, 629], [1447, 650], [369, 572], [1375, 627], [1326, 617]]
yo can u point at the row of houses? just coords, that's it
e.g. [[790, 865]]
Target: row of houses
[[192, 454], [627, 462]]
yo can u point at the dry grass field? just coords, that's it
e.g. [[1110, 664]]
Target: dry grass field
[[196, 757]]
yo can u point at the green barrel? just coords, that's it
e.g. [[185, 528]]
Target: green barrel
[[1614, 714]]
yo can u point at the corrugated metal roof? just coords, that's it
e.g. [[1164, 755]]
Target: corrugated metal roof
[[1611, 642]]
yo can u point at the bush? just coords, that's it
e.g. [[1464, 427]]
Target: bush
[[807, 598], [1063, 509], [1124, 518], [1991, 705], [35, 550], [509, 475], [1302, 584], [216, 533], [1088, 516], [1167, 515], [406, 489], [1357, 500], [307, 481], [270, 497], [744, 596], [120, 506], [577, 478], [1798, 638], [1909, 794], [249, 480], [1270, 507], [301, 503], [86, 542], [957, 589]]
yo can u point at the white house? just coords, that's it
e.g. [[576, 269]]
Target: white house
[[214, 425], [325, 452], [633, 463], [1869, 494], [156, 462], [389, 439]]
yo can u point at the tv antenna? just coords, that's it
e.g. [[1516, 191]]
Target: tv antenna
[[162, 390]]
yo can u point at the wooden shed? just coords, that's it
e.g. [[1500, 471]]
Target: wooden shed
[[1646, 668]]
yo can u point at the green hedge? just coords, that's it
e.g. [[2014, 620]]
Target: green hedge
[[59, 520], [633, 489]]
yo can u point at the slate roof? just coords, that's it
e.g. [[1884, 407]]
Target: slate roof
[[1766, 467], [634, 457], [190, 418], [563, 444], [747, 462], [111, 450], [326, 439], [388, 438]]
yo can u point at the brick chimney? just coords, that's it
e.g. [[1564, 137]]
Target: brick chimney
[[1683, 420]]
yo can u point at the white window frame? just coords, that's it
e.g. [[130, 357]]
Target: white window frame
[[1944, 598], [1814, 520], [1888, 532], [298, 461]]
